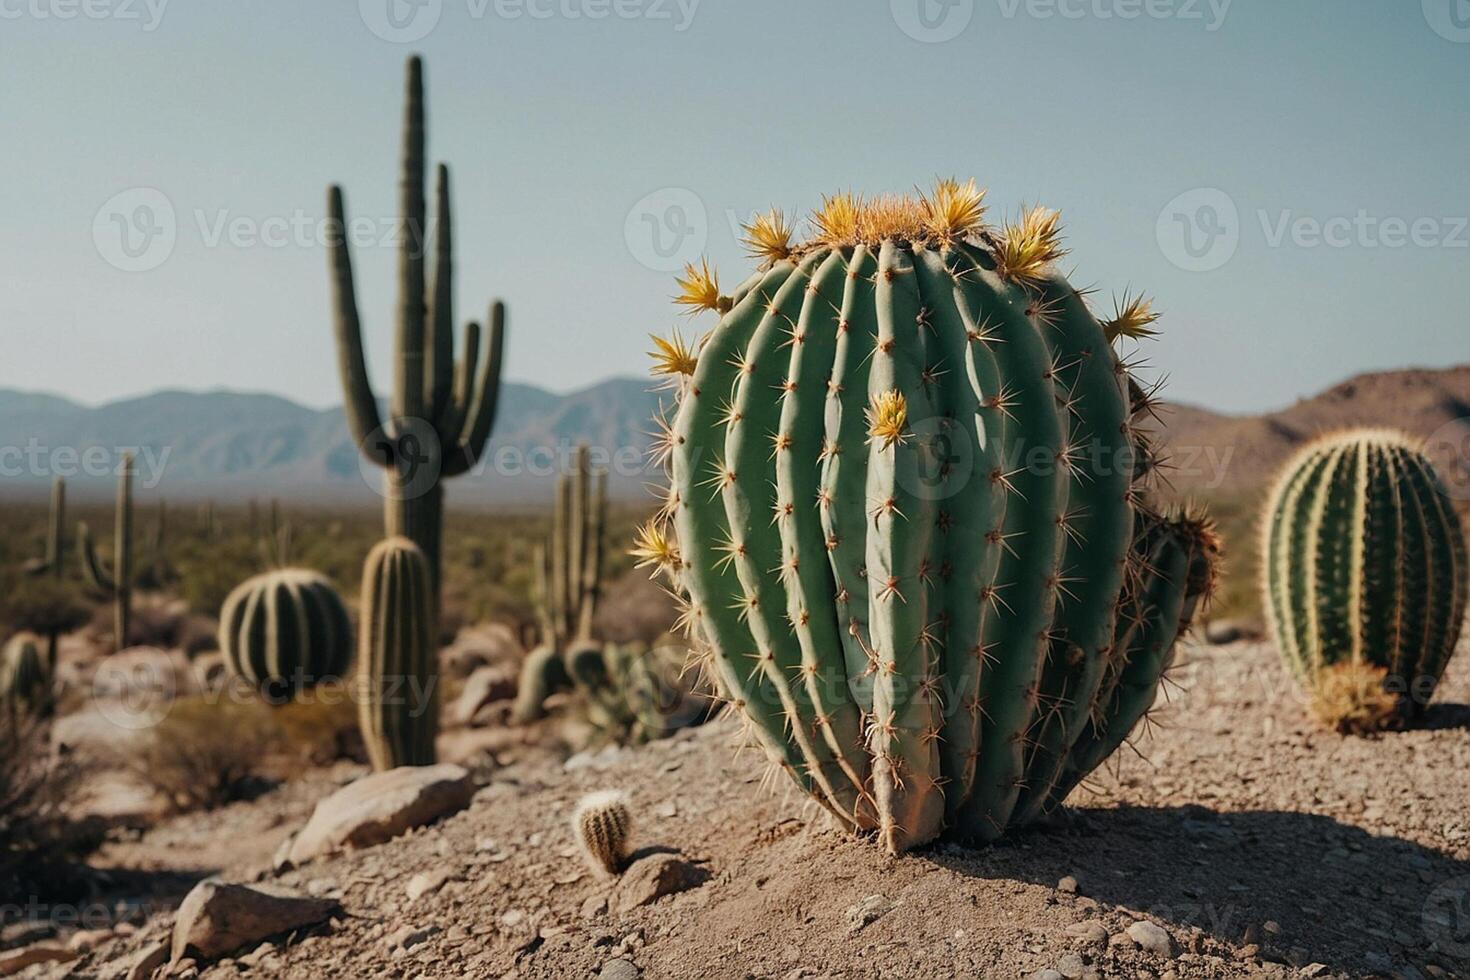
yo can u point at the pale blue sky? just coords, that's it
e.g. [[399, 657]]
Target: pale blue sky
[[557, 128]]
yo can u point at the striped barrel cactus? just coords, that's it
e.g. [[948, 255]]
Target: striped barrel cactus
[[907, 476], [398, 707], [286, 630], [1364, 571]]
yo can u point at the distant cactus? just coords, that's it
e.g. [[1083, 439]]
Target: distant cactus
[[1364, 564], [53, 564], [116, 582], [397, 669], [25, 679], [602, 826], [284, 631], [907, 468], [542, 674], [441, 413]]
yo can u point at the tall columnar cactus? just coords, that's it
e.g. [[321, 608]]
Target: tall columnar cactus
[[398, 702], [25, 678], [53, 564], [1364, 565], [905, 481], [441, 412], [283, 631], [115, 582]]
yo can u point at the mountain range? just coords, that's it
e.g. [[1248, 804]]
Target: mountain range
[[230, 445]]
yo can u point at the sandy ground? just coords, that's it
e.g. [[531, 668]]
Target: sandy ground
[[1263, 847]]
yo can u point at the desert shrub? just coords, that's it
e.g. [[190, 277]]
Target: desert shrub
[[37, 842], [204, 754], [321, 727], [42, 605]]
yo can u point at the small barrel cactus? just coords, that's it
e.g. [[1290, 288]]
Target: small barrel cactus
[[398, 673], [25, 680], [1364, 570], [284, 631], [601, 823], [907, 469]]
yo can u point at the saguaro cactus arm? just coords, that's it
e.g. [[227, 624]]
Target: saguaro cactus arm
[[361, 404]]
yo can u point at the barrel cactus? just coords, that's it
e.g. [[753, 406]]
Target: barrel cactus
[[1364, 571], [284, 631], [25, 678], [907, 476], [397, 702]]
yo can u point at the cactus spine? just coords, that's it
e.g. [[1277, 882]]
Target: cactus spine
[[115, 582], [25, 679], [53, 564], [441, 413], [398, 706], [601, 824], [909, 563], [284, 631], [1364, 564]]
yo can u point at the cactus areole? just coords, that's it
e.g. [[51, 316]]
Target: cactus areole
[[1364, 566], [906, 490]]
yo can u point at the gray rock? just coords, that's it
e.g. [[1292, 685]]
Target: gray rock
[[868, 911], [1091, 931], [1152, 937], [619, 969], [1071, 966], [219, 917], [651, 878], [379, 807], [1067, 886]]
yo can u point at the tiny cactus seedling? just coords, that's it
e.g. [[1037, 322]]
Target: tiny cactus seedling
[[116, 582], [284, 631], [398, 672], [25, 679], [602, 825], [909, 513], [1364, 562]]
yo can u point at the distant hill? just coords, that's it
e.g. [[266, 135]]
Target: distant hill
[[231, 445]]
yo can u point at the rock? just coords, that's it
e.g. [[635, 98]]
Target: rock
[[1071, 966], [1067, 886], [379, 807], [24, 933], [653, 877], [85, 939], [485, 686], [281, 862], [220, 917], [595, 906], [427, 882], [481, 646], [14, 960], [868, 911], [1047, 974], [1152, 937], [619, 969], [409, 936], [148, 960], [1091, 932]]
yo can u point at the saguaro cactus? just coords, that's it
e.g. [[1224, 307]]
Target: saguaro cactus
[[398, 702], [1364, 572], [53, 564], [441, 413], [285, 630], [115, 582], [905, 481]]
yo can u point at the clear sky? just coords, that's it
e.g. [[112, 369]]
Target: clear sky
[[593, 141]]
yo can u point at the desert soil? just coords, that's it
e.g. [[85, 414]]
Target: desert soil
[[1262, 846]]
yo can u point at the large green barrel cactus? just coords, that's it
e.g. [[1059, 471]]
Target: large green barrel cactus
[[1364, 570], [25, 677], [905, 477], [284, 631], [398, 704], [116, 582], [442, 411]]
